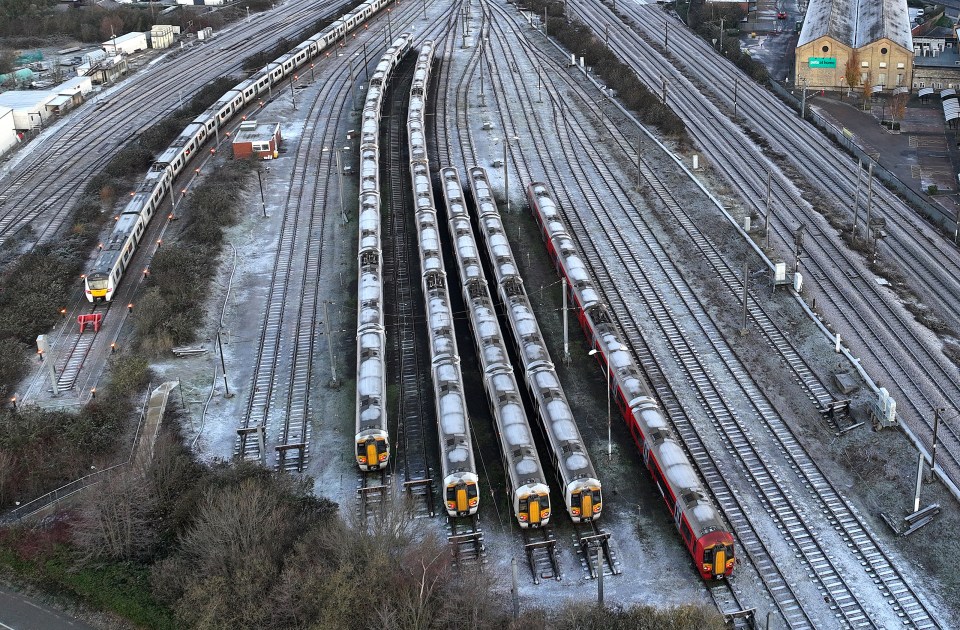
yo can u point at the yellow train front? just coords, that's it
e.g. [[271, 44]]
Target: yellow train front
[[461, 494], [373, 449], [531, 505]]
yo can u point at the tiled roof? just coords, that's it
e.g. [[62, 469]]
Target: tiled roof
[[857, 22]]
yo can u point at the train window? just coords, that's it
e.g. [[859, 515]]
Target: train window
[[685, 532]]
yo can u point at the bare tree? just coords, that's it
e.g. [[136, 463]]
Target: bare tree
[[115, 519], [851, 71]]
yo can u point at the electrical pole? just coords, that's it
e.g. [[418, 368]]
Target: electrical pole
[[933, 450], [766, 217], [856, 203], [326, 326], [869, 196], [746, 276]]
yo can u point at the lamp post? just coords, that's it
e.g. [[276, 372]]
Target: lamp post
[[263, 202], [336, 153], [506, 170], [609, 429], [293, 96]]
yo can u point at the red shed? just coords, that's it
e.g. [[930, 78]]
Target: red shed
[[257, 139]]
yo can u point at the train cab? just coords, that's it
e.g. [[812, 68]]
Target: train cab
[[462, 496], [373, 450], [714, 555], [533, 505], [585, 504]]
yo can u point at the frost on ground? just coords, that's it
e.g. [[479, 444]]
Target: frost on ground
[[872, 469]]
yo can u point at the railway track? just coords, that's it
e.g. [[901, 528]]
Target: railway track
[[595, 550], [540, 547], [278, 404], [46, 178], [795, 525], [403, 294], [374, 497], [465, 538], [879, 330], [775, 494]]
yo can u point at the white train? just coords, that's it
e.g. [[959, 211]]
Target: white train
[[705, 535], [101, 281], [530, 495], [568, 454], [461, 495], [372, 440]]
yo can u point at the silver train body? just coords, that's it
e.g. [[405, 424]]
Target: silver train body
[[103, 277], [530, 495], [701, 527], [568, 453], [372, 440], [461, 496]]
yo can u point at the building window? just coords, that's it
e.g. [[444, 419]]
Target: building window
[[921, 84], [883, 51], [864, 64], [900, 79], [899, 66], [825, 49]]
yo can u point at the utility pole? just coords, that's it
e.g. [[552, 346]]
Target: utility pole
[[736, 84], [721, 36], [766, 217], [663, 97], [223, 364], [803, 100], [869, 196], [326, 326], [933, 450], [746, 276], [666, 35], [856, 203], [343, 212]]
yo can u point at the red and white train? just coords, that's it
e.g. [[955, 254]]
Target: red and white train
[[700, 525]]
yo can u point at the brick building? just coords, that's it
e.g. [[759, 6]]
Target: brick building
[[261, 140], [872, 37]]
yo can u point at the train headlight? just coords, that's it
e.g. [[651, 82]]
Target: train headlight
[[451, 505], [706, 568], [575, 511], [523, 518], [474, 501], [544, 513], [596, 508], [383, 457], [362, 459]]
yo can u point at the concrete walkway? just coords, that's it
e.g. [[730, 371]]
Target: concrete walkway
[[21, 612]]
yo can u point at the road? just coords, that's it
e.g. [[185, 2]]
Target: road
[[20, 612]]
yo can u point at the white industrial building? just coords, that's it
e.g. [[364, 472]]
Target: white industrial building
[[161, 36], [29, 107], [8, 132], [128, 43], [77, 85]]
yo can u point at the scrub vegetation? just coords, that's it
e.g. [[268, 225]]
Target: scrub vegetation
[[239, 546], [578, 38]]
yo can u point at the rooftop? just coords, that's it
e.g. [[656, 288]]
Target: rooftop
[[857, 22], [19, 99], [251, 131]]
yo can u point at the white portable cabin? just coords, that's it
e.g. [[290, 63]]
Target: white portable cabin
[[128, 43], [8, 132], [29, 107], [77, 85]]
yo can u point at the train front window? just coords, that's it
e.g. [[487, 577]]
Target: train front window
[[97, 284]]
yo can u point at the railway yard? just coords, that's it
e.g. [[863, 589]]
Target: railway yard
[[808, 486]]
